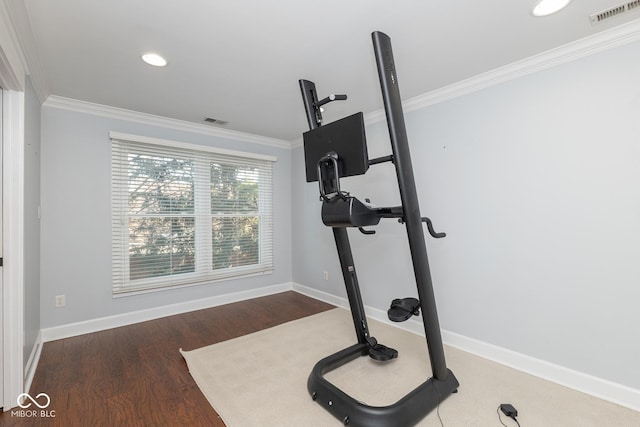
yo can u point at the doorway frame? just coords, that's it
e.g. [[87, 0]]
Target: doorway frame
[[12, 80], [13, 246]]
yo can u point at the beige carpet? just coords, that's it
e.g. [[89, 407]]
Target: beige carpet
[[259, 380]]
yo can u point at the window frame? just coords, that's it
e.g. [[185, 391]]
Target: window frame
[[203, 273]]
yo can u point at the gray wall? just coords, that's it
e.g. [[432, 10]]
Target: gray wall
[[76, 218], [31, 220], [535, 182]]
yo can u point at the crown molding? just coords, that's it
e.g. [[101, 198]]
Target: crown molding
[[85, 107], [125, 137], [19, 17], [12, 69], [600, 42]]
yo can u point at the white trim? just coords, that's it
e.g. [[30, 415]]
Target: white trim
[[151, 290], [109, 322], [598, 387], [321, 296], [125, 137], [32, 363], [602, 41], [202, 270], [13, 245], [12, 70], [589, 384], [19, 17], [78, 106], [599, 42], [297, 143], [411, 325]]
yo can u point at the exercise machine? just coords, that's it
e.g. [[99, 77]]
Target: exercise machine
[[338, 150]]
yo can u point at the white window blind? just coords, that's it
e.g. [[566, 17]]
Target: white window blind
[[183, 214]]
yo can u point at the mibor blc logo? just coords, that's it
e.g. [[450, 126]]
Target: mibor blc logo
[[25, 400], [33, 407]]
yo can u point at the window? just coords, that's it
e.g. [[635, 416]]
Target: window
[[184, 214]]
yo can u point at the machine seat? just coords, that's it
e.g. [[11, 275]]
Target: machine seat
[[349, 212]]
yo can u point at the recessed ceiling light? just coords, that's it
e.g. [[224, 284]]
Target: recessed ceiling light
[[547, 7], [154, 59]]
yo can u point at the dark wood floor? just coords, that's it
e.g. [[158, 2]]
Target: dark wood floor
[[135, 376]]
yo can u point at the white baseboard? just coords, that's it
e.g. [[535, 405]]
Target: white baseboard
[[411, 325], [109, 322], [594, 386], [585, 383], [321, 296], [32, 362], [598, 387]]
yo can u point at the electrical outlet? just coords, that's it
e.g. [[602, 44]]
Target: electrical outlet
[[60, 301], [325, 275]]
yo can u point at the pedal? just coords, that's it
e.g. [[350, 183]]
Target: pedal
[[382, 353], [402, 309]]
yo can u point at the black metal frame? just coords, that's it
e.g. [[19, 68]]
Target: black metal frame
[[426, 397]]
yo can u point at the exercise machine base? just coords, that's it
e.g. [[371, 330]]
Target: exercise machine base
[[405, 412]]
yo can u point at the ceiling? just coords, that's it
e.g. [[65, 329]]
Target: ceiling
[[240, 61]]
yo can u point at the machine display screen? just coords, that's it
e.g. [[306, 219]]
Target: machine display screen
[[345, 137]]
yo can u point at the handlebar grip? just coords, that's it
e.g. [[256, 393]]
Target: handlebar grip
[[431, 230], [368, 232]]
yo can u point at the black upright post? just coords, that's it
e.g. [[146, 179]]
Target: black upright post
[[409, 197], [351, 283]]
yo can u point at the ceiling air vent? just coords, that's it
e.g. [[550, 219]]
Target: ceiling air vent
[[614, 11], [222, 122]]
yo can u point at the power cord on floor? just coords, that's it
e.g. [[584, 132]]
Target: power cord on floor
[[439, 400], [509, 411], [438, 413]]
